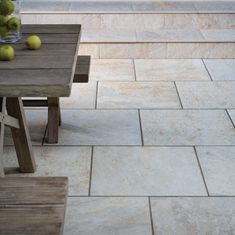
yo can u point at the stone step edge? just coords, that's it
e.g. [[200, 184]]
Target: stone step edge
[[157, 42]]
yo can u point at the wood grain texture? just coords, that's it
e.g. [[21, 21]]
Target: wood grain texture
[[2, 110], [32, 205], [34, 73]]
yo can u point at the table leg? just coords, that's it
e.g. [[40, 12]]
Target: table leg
[[2, 109], [21, 136], [53, 120]]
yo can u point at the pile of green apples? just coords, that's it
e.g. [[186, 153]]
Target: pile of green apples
[[8, 23]]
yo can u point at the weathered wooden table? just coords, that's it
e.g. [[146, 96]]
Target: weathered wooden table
[[47, 72]]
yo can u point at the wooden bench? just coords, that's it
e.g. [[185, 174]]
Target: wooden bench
[[54, 115], [32, 205]]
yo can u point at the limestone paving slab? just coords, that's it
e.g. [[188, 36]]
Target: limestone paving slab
[[170, 70], [144, 171], [219, 34], [187, 127], [137, 95], [218, 168], [221, 69], [105, 216], [183, 216], [232, 115], [99, 127], [83, 95], [72, 162], [207, 94], [112, 70], [37, 121]]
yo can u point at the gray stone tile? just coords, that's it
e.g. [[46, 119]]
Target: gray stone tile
[[221, 69], [187, 127], [36, 121], [73, 162], [112, 70], [106, 216], [183, 216], [83, 95], [169, 35], [137, 95], [215, 6], [218, 168], [207, 94], [219, 35], [170, 70], [99, 127], [143, 171]]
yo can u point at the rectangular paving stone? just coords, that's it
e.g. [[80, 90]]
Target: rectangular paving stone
[[183, 216], [207, 94], [218, 168], [137, 95], [83, 95], [36, 120], [105, 216], [112, 70], [144, 171], [187, 127], [221, 69], [170, 70], [219, 34], [100, 127], [72, 162]]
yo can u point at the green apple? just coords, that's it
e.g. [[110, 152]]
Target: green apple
[[7, 53], [33, 42], [7, 7], [13, 24], [3, 31], [3, 20]]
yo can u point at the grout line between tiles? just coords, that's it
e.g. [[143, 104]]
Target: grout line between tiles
[[203, 177], [91, 167], [151, 215], [141, 129], [230, 118], [134, 69], [207, 69], [177, 91]]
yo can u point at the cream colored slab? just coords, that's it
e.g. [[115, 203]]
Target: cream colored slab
[[106, 216], [137, 95], [221, 69], [112, 70], [170, 70], [144, 171], [207, 94], [187, 127], [218, 168], [72, 162], [220, 35], [92, 50], [184, 216], [83, 96]]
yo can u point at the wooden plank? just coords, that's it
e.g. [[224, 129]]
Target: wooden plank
[[52, 28], [9, 121], [33, 190], [21, 136], [35, 103], [2, 110]]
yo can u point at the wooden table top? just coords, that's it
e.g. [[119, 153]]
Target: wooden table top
[[47, 72]]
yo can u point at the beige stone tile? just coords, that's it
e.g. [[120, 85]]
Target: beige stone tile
[[179, 21], [149, 21], [83, 96], [36, 120], [133, 50], [169, 35], [227, 35], [137, 95], [221, 69], [187, 127], [207, 94], [218, 169], [99, 127], [106, 216], [200, 50], [112, 70], [72, 162], [170, 70], [28, 19], [141, 171], [214, 6], [183, 216], [92, 50]]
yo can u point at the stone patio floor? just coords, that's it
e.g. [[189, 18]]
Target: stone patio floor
[[148, 146]]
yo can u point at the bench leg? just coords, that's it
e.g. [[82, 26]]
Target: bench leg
[[53, 120], [21, 136], [2, 109]]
